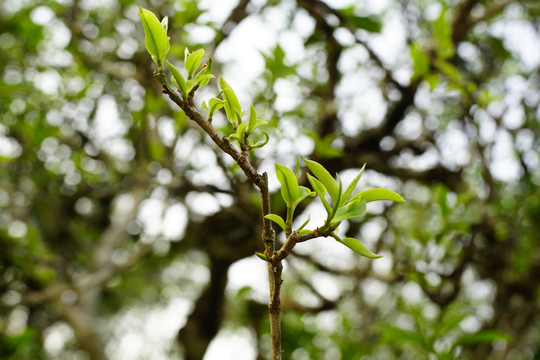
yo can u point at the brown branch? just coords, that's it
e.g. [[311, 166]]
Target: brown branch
[[261, 181]]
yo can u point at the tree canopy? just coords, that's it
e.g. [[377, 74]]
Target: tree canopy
[[127, 233]]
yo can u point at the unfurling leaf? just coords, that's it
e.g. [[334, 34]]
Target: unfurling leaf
[[277, 219], [260, 144], [155, 37], [357, 247], [253, 121], [215, 104], [289, 184], [232, 105], [193, 61], [178, 80]]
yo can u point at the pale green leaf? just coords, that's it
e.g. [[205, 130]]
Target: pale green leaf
[[231, 102], [193, 61], [352, 185], [289, 184], [260, 144], [304, 193], [357, 247], [352, 209], [379, 194], [178, 80], [304, 223], [325, 178], [155, 37], [261, 256], [320, 190], [277, 219]]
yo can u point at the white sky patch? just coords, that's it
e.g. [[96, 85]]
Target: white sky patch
[[251, 272], [144, 333], [174, 222], [151, 216], [505, 166], [232, 345], [48, 82], [520, 37], [41, 15], [107, 123]]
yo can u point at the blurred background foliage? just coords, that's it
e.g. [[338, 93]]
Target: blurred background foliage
[[126, 235]]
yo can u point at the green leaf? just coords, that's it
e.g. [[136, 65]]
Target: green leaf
[[363, 22], [297, 167], [206, 70], [379, 194], [165, 23], [277, 219], [193, 61], [191, 83], [261, 256], [486, 336], [155, 37], [241, 132], [421, 61], [392, 334], [178, 80], [304, 223], [254, 122], [320, 190], [352, 185], [442, 33], [232, 105], [357, 247], [336, 202], [325, 178], [252, 118], [352, 209], [215, 104], [289, 184], [260, 144], [304, 193]]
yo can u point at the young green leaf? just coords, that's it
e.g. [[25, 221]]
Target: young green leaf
[[277, 219], [297, 168], [231, 102], [304, 223], [252, 118], [260, 144], [325, 178], [320, 190], [215, 104], [191, 83], [241, 132], [261, 256], [352, 185], [155, 37], [337, 201], [304, 193], [357, 247], [206, 70], [379, 194], [193, 61], [178, 80], [289, 184], [352, 209], [165, 23]]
